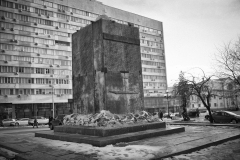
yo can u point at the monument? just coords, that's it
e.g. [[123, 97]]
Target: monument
[[107, 72], [107, 75]]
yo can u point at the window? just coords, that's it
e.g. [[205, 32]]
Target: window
[[39, 70], [24, 38], [7, 91], [63, 16], [47, 71], [32, 91], [43, 12], [22, 7], [6, 4], [49, 4], [192, 105], [6, 14], [62, 8]]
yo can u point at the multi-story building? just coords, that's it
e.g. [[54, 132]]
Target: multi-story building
[[224, 96], [36, 58]]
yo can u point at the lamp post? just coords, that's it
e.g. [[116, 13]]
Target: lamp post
[[53, 102], [167, 96], [52, 86]]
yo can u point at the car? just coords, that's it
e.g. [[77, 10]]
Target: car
[[203, 113], [40, 120], [225, 117], [166, 115], [192, 113], [175, 115], [7, 122], [20, 122], [207, 115], [57, 121]]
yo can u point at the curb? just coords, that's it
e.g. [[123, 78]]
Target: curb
[[205, 124], [187, 151]]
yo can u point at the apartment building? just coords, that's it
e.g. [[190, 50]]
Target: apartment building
[[36, 57]]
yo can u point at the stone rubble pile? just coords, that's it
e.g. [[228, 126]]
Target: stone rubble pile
[[107, 119]]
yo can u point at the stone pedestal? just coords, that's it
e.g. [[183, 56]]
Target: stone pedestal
[[107, 72]]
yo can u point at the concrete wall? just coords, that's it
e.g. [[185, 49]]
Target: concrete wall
[[114, 51], [83, 75]]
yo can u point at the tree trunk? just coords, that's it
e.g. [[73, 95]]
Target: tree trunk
[[210, 114]]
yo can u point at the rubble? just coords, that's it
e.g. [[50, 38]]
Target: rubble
[[108, 119]]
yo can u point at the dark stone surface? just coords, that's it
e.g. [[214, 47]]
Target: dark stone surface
[[103, 141], [104, 132], [107, 72], [83, 71]]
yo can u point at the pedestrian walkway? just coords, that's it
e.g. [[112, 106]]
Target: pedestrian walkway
[[229, 150], [194, 138]]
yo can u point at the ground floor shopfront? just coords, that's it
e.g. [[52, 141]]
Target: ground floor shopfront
[[155, 104], [8, 110]]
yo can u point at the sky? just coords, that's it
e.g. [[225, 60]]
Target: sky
[[193, 30]]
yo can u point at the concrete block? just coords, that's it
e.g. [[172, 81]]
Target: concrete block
[[103, 141], [103, 132]]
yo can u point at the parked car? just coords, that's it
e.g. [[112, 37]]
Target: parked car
[[166, 115], [57, 121], [225, 117], [7, 122], [175, 115], [207, 115], [203, 113], [40, 120], [192, 113], [20, 122]]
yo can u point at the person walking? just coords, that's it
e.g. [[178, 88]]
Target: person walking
[[160, 115], [197, 110], [35, 123]]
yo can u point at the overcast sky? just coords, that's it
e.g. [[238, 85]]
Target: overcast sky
[[193, 29]]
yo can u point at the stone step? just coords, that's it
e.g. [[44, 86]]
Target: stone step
[[104, 131], [103, 141]]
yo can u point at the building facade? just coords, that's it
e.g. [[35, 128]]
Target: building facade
[[225, 96], [36, 57]]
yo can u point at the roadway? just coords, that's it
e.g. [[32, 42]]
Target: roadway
[[22, 129]]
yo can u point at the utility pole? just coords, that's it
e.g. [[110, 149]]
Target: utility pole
[[53, 102], [167, 96]]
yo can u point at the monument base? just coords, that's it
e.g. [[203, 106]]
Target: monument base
[[102, 137]]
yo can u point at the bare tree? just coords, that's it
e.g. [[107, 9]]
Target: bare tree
[[202, 87], [228, 61]]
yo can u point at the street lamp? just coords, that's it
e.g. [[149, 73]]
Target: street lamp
[[52, 85], [167, 96], [52, 99]]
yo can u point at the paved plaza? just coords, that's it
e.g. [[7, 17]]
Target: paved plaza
[[197, 142]]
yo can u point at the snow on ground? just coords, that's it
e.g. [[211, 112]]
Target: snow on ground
[[125, 151], [8, 152], [225, 151], [141, 152]]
